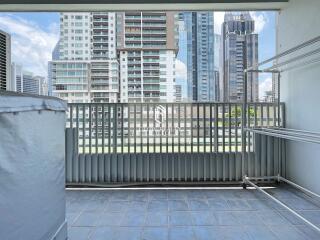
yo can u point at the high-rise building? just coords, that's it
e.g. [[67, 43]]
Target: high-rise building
[[55, 56], [70, 80], [181, 76], [56, 51], [178, 93], [25, 82], [5, 61], [200, 56], [104, 82], [69, 74], [217, 66], [240, 51], [217, 51], [147, 48], [275, 87], [87, 68]]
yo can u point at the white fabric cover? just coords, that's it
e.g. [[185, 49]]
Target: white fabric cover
[[32, 174], [19, 102]]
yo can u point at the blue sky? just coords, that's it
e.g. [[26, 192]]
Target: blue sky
[[34, 36]]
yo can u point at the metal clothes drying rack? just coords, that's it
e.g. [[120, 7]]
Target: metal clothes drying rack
[[299, 60]]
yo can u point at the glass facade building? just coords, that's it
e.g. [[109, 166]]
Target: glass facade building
[[5, 61], [240, 51], [200, 56]]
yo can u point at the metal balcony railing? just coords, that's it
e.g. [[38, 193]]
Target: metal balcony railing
[[165, 127]]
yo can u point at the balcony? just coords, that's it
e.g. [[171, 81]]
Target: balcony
[[191, 213], [173, 171]]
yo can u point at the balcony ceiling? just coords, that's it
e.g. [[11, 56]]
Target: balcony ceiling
[[140, 5]]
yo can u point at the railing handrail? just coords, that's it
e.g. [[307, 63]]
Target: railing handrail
[[181, 103], [167, 127]]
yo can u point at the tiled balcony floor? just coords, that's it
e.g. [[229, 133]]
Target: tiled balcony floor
[[188, 214]]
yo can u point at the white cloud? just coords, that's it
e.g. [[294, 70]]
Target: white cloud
[[181, 70], [218, 20], [260, 20], [31, 45], [265, 85]]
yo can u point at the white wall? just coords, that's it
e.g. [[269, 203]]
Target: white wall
[[300, 90]]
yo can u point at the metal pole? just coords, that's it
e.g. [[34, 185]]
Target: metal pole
[[243, 125], [302, 131], [246, 180], [279, 122], [299, 57], [291, 133], [291, 50], [307, 191], [300, 139]]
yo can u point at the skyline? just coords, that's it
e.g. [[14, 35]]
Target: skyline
[[34, 36]]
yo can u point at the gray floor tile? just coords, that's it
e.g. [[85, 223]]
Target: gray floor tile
[[79, 233], [103, 195], [198, 204], [178, 205], [204, 232], [177, 195], [96, 205], [180, 218], [87, 219], [287, 232], [158, 205], [259, 204], [158, 194], [225, 218], [291, 218], [188, 214], [102, 233], [120, 195], [312, 216], [238, 204], [139, 196], [227, 194], [247, 218], [212, 194], [272, 218], [110, 219], [218, 204], [249, 194], [117, 206], [301, 204], [259, 233], [196, 194], [125, 233], [202, 218], [71, 217], [156, 219], [155, 233], [78, 206], [229, 232], [281, 193], [308, 232], [133, 218], [138, 205], [183, 233]]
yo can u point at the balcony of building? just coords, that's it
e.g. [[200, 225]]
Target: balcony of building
[[207, 170]]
